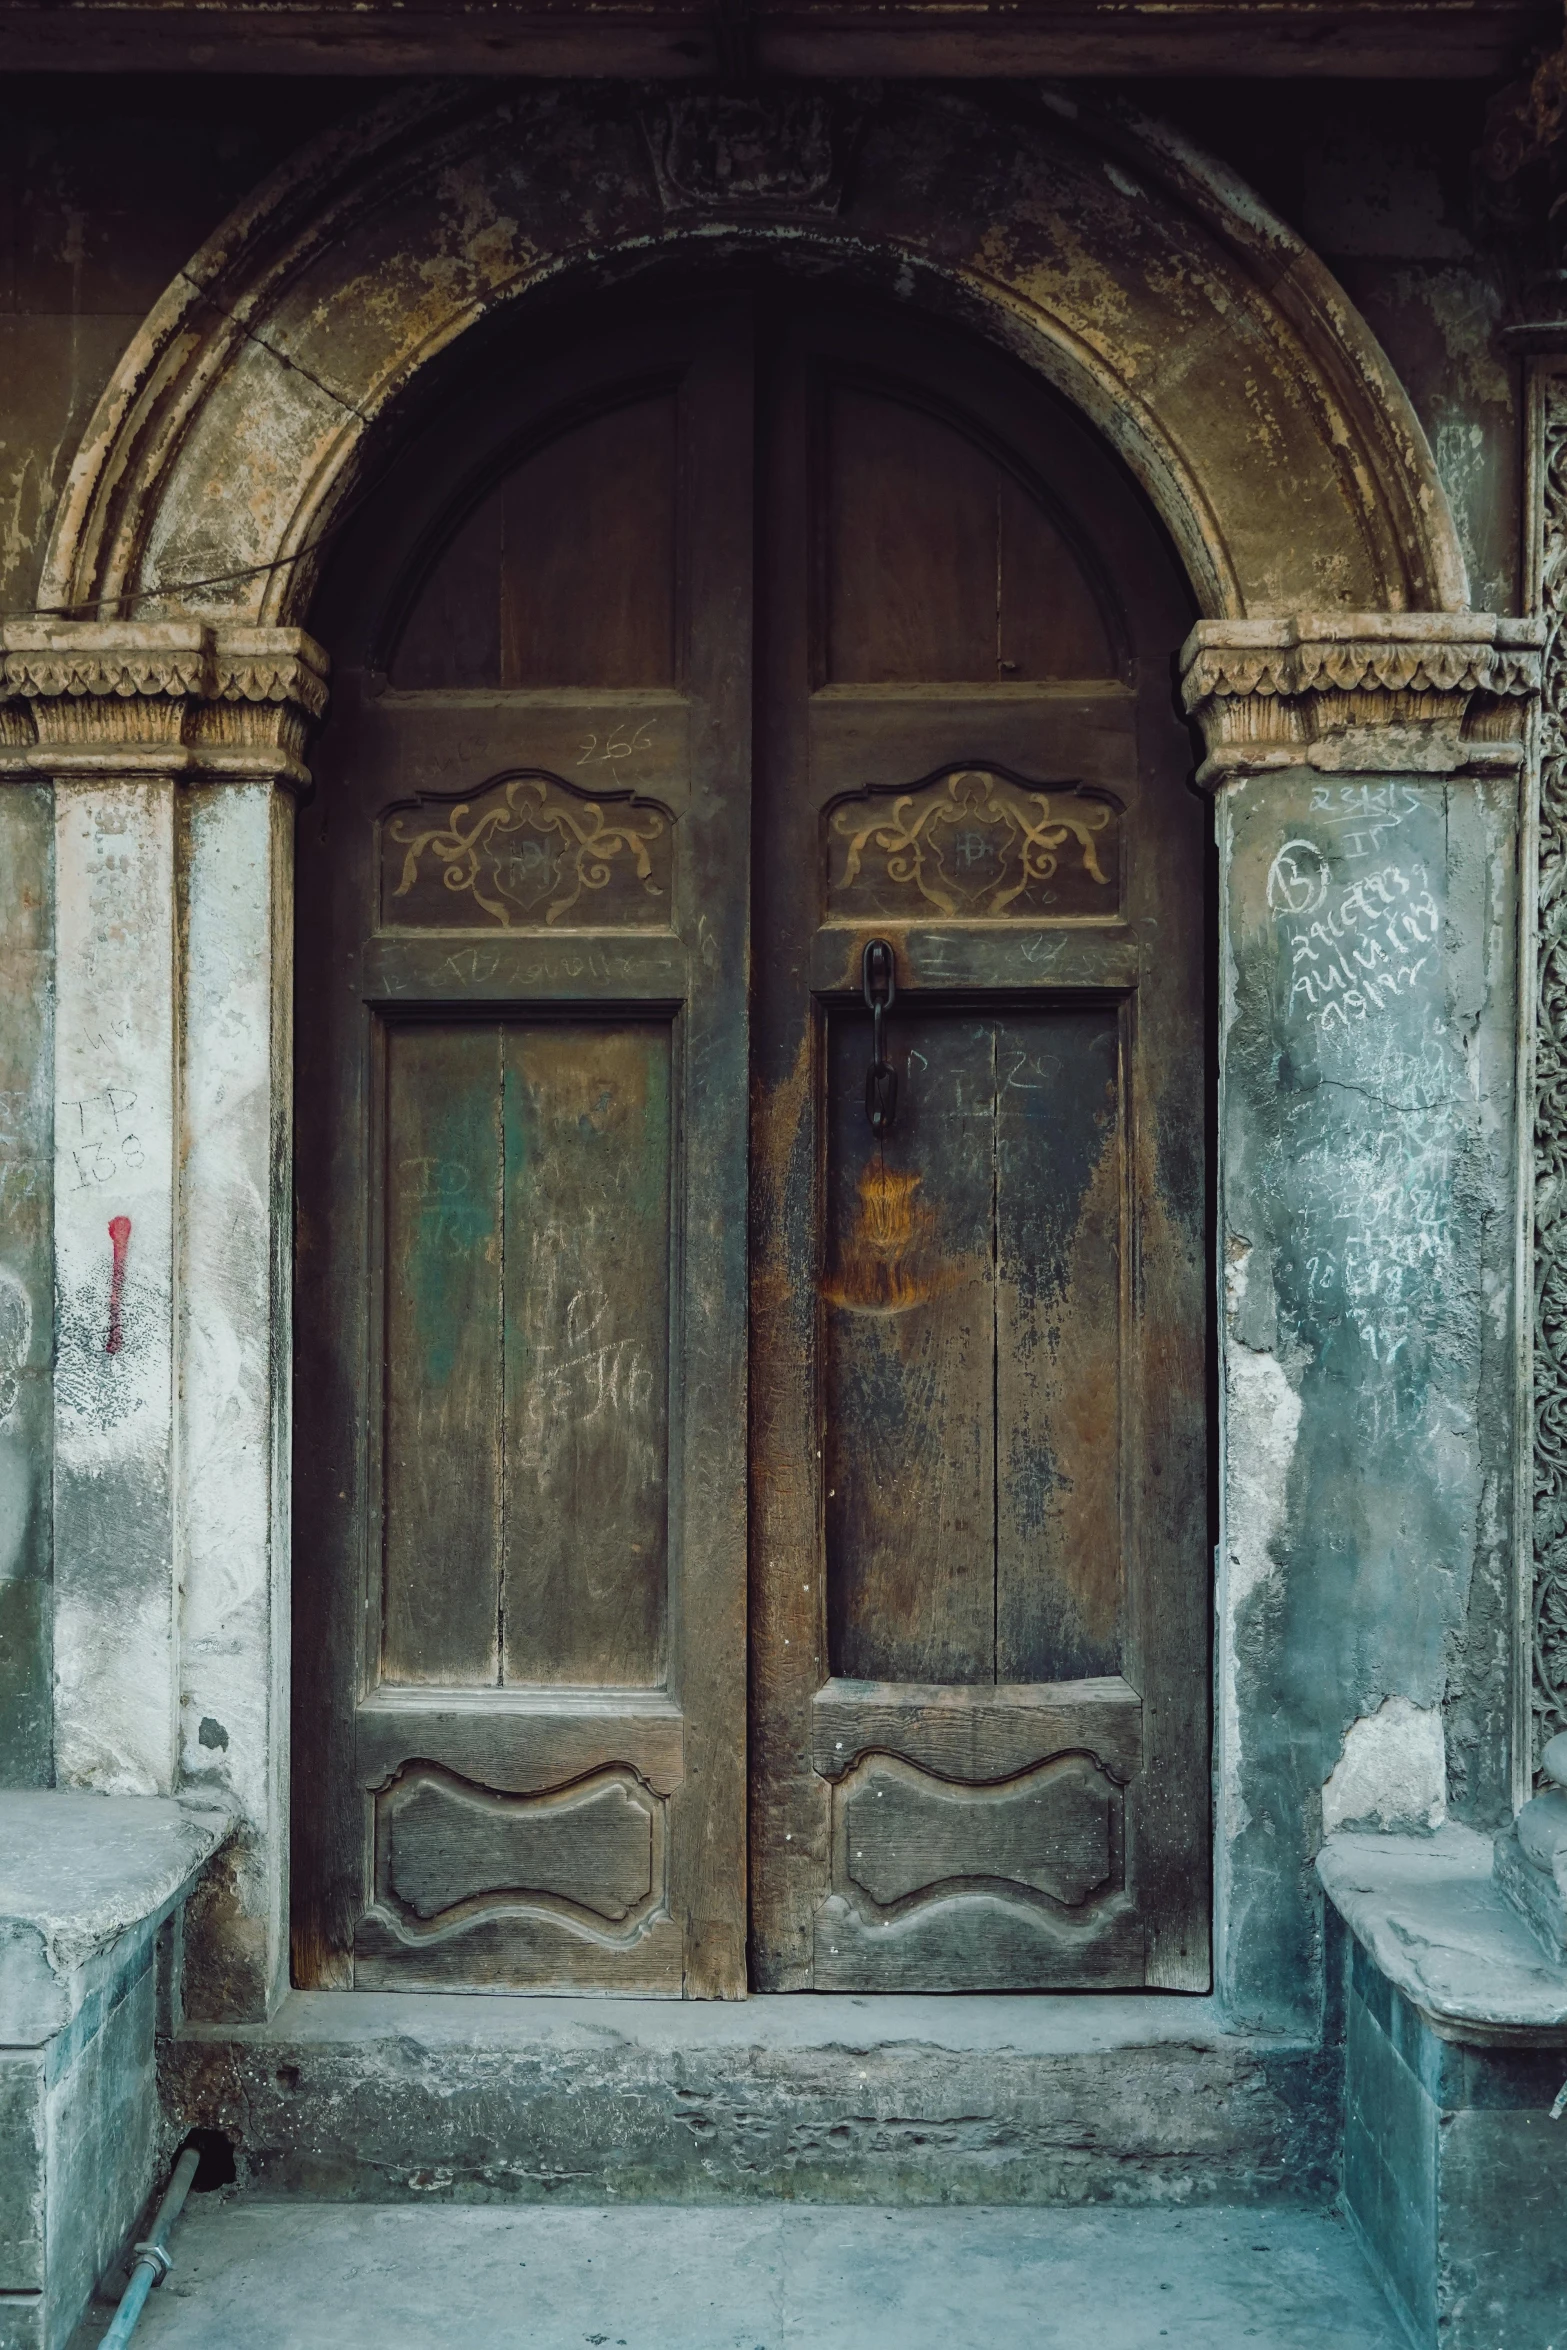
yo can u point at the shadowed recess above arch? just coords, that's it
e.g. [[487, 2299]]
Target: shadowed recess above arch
[[1209, 346]]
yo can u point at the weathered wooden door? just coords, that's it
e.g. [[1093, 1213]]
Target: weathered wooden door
[[979, 1457], [552, 815], [522, 955]]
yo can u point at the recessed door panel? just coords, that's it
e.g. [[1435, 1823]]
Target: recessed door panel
[[972, 1349], [527, 1345], [564, 572]]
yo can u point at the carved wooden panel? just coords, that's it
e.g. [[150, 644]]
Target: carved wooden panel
[[444, 1845], [906, 1831], [973, 843], [527, 852]]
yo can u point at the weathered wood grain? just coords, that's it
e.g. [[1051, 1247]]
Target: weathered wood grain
[[1061, 1535], [445, 1842], [905, 1832], [909, 1369], [442, 1324], [989, 1732], [521, 1741]]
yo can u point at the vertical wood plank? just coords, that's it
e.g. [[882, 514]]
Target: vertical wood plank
[[708, 1598], [442, 1339], [910, 1296], [587, 1353], [1060, 1186]]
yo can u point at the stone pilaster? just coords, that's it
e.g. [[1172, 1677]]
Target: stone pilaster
[[1369, 780], [171, 749]]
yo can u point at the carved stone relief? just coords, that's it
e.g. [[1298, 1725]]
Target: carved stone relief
[[1550, 1115], [779, 153]]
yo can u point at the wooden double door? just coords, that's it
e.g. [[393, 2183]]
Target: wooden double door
[[752, 1519]]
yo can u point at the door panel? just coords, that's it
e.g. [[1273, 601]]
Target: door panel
[[979, 1435], [526, 1350], [566, 574], [521, 1387], [969, 578]]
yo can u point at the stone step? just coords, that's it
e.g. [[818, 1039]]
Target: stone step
[[281, 2275], [833, 2099]]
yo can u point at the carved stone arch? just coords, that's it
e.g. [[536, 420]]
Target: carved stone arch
[[1207, 343]]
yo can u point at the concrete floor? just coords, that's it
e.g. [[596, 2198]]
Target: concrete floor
[[262, 2275]]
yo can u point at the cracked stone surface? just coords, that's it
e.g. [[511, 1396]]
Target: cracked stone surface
[[258, 2275]]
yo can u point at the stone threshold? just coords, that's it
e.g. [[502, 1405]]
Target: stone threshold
[[816, 2097]]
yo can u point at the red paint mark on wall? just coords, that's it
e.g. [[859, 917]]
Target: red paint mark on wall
[[120, 1239]]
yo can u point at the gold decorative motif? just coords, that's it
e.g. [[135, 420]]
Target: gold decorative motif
[[973, 842], [529, 846]]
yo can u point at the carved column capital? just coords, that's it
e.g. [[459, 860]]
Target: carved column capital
[[1422, 693], [204, 702]]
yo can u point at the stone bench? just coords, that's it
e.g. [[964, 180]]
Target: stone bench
[[1455, 2038], [91, 1891]]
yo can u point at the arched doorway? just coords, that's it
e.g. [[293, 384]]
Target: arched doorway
[[747, 634]]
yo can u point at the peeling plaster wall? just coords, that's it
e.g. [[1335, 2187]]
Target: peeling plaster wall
[[1377, 178], [106, 189], [1368, 1347]]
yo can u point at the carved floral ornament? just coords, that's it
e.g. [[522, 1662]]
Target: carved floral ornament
[[528, 848], [1426, 692], [168, 696], [975, 842]]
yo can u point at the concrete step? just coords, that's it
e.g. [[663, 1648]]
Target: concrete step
[[1144, 2098], [274, 2275]]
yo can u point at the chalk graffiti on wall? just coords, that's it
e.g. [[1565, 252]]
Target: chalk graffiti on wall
[[1369, 1092], [1365, 944]]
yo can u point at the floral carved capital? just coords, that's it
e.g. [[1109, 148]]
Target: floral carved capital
[[1362, 693], [171, 697]]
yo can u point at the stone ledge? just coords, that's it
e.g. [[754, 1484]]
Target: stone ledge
[[1427, 1911], [78, 1872]]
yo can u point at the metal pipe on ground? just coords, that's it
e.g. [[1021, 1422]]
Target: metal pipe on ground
[[150, 2262]]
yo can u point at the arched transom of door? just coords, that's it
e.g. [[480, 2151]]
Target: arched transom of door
[[752, 1509]]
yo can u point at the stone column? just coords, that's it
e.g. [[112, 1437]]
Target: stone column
[[1367, 772], [173, 749]]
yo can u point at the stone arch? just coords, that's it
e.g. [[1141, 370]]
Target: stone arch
[[1207, 343]]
